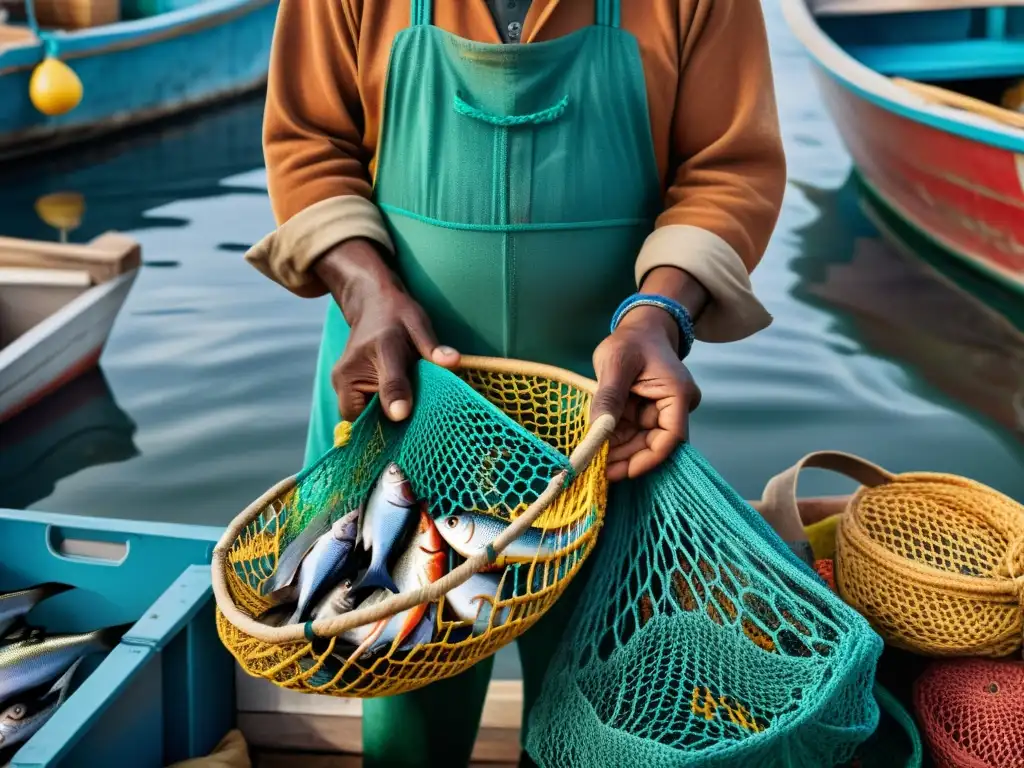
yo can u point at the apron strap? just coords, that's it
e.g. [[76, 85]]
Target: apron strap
[[607, 12], [422, 13]]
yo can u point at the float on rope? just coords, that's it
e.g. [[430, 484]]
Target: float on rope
[[54, 88]]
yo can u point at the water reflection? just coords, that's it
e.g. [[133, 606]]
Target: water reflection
[[125, 178], [81, 426], [908, 301]]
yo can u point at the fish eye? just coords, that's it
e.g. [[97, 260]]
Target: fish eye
[[451, 521]]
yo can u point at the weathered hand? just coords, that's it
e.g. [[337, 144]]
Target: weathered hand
[[389, 332], [643, 383]]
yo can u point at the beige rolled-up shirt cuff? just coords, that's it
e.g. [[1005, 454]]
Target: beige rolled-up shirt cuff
[[733, 312], [287, 254]]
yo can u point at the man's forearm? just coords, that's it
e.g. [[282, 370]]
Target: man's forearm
[[355, 271]]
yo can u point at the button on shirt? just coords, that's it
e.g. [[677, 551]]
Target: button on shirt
[[509, 15]]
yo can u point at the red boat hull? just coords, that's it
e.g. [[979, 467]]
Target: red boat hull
[[965, 195]]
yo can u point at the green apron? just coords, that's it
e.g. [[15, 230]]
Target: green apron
[[519, 183]]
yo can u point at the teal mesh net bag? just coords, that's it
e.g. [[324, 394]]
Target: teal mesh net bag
[[703, 641]]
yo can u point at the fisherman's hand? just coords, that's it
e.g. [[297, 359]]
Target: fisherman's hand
[[643, 383], [389, 331]]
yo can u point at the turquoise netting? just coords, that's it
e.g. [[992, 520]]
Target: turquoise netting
[[702, 641]]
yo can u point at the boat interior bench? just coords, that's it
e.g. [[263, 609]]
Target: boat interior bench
[[937, 40]]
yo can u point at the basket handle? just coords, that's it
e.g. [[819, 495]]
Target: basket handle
[[779, 500], [585, 452]]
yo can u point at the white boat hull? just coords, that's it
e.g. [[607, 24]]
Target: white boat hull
[[62, 346]]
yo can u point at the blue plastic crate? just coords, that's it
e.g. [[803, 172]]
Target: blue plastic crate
[[166, 693]]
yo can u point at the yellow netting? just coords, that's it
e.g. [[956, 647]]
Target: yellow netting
[[936, 563], [490, 447]]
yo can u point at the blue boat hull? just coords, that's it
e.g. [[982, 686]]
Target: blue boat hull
[[139, 71]]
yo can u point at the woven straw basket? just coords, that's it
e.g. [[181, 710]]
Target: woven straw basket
[[935, 562], [524, 426]]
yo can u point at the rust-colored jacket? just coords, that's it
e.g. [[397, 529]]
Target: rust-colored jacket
[[713, 118]]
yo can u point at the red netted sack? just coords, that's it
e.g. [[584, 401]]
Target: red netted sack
[[827, 570], [972, 713]]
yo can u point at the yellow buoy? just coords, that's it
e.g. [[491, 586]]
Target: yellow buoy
[[54, 88], [61, 210]]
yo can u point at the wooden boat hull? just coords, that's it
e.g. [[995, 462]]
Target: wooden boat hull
[[137, 71], [955, 177], [61, 348]]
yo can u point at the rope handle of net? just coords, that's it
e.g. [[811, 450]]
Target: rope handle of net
[[598, 434], [779, 501]]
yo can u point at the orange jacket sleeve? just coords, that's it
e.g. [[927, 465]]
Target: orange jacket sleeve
[[728, 170], [317, 165]]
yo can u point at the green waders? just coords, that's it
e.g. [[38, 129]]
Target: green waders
[[519, 183]]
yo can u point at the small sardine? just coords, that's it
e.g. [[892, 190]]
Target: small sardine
[[14, 605], [387, 513], [469, 533], [279, 586], [325, 562], [336, 602], [26, 664], [424, 562], [20, 721]]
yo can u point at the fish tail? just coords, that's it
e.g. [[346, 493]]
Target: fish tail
[[377, 577], [107, 639], [376, 632]]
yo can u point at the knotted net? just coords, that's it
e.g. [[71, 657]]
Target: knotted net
[[971, 711], [495, 438], [703, 641]]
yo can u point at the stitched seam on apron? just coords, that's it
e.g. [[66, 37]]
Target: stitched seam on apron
[[522, 227]]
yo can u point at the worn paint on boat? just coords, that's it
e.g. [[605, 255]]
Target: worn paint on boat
[[137, 71], [955, 176]]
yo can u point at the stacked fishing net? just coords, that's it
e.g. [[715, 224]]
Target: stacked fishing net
[[972, 711], [486, 443], [703, 641], [936, 564]]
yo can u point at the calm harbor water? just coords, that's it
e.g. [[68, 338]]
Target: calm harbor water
[[205, 385]]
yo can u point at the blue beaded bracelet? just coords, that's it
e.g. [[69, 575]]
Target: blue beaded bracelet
[[679, 313]]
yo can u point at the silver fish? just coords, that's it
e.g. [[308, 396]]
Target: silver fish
[[336, 602], [469, 533], [20, 721], [280, 584], [325, 563], [387, 513], [14, 605], [467, 599], [26, 664], [423, 562]]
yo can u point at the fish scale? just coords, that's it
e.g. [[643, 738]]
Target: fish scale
[[26, 664]]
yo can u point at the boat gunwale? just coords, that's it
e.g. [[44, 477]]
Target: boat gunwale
[[126, 35], [881, 91]]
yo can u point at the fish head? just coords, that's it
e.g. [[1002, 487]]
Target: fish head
[[428, 539], [396, 486], [13, 714], [458, 529], [342, 598]]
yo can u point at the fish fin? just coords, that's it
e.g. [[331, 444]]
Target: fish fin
[[412, 620], [424, 631], [376, 632], [108, 638], [377, 577]]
